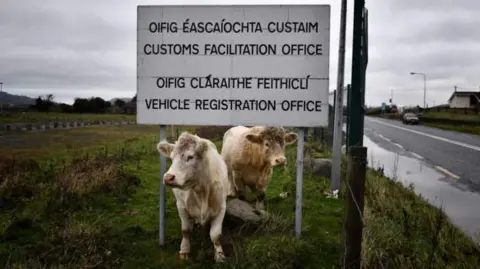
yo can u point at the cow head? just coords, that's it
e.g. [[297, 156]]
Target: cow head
[[188, 160], [272, 141]]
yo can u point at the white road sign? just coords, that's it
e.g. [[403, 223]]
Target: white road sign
[[233, 65]]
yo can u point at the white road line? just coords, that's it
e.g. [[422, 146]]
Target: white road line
[[416, 155], [448, 173], [431, 136], [384, 138], [398, 145]]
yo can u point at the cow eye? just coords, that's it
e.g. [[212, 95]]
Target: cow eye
[[267, 144], [189, 157]]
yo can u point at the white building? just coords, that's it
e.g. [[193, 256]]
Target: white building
[[464, 99]]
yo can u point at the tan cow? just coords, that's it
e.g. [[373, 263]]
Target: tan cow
[[251, 154], [199, 178]]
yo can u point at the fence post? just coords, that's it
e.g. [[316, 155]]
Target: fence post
[[355, 188]]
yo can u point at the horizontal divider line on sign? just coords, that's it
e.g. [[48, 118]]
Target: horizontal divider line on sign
[[235, 55], [310, 78], [275, 101]]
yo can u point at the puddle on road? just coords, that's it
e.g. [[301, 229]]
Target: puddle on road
[[461, 205]]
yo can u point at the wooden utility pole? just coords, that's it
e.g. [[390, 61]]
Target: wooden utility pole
[[355, 189]]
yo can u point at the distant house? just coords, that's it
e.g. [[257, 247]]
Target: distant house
[[464, 100]]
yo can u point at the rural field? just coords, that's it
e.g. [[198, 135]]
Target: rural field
[[89, 198], [452, 115], [459, 127], [456, 127], [41, 117]]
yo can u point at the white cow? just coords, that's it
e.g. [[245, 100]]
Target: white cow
[[251, 154], [199, 178]]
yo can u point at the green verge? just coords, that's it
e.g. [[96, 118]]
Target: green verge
[[452, 115], [39, 117], [469, 129], [100, 209], [404, 231]]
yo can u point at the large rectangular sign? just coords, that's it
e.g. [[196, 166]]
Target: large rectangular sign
[[233, 65]]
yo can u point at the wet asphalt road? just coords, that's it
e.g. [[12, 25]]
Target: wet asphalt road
[[453, 152]]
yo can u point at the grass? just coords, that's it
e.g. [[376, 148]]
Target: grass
[[452, 115], [454, 127], [404, 231], [41, 117], [103, 210], [42, 144], [99, 209], [470, 129]]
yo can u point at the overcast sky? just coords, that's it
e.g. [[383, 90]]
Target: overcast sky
[[87, 48]]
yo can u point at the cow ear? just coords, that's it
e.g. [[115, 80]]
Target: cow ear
[[254, 138], [290, 138], [165, 148], [201, 147]]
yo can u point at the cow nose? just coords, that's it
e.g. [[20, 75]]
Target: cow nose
[[280, 161], [168, 179]]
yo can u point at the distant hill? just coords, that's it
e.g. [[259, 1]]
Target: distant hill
[[12, 99], [126, 100]]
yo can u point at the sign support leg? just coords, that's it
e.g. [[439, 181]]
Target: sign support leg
[[338, 119], [298, 202], [163, 169]]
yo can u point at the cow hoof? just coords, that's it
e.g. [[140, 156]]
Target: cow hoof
[[183, 256], [219, 257]]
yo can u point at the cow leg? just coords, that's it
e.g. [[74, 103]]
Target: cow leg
[[216, 233], [233, 191], [260, 188], [239, 186], [187, 226]]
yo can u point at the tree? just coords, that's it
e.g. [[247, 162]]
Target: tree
[[39, 103], [49, 98], [91, 105], [43, 104], [119, 103]]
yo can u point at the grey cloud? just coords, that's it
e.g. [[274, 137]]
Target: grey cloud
[[439, 38], [50, 47], [54, 73], [448, 30], [433, 5], [433, 58]]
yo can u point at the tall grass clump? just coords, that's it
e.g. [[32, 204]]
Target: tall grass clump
[[43, 223], [402, 230]]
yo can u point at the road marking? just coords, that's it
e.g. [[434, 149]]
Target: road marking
[[431, 136], [398, 145], [384, 138], [448, 173], [416, 155]]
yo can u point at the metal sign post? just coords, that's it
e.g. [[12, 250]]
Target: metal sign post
[[299, 188]]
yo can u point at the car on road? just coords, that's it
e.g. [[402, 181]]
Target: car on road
[[410, 118]]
